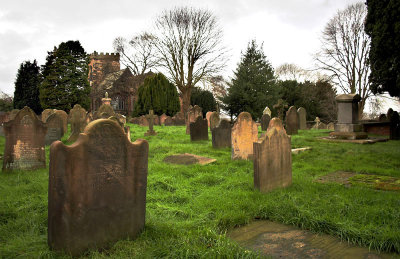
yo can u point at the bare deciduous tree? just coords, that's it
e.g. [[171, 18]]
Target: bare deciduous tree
[[138, 54], [189, 44], [345, 51]]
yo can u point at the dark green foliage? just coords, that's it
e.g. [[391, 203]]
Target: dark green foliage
[[65, 77], [383, 26], [26, 91], [317, 98], [203, 98], [6, 102], [157, 94], [253, 86]]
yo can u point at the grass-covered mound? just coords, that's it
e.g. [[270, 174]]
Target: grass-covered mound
[[190, 207]]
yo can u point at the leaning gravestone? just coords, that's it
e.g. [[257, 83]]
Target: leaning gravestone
[[97, 189], [302, 118], [273, 158], [214, 120], [265, 118], [55, 128], [199, 129], [221, 135], [24, 147], [244, 133], [192, 115], [64, 117], [292, 121], [46, 113], [77, 118]]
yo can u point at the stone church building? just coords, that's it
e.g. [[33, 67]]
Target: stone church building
[[105, 75]]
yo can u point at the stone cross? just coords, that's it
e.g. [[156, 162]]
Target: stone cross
[[150, 117], [317, 122], [280, 107]]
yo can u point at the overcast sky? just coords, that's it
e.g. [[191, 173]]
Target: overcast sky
[[290, 29]]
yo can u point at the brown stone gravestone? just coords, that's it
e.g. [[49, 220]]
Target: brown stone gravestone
[[199, 129], [104, 111], [143, 121], [179, 119], [192, 115], [55, 128], [64, 116], [97, 189], [244, 133], [24, 147], [265, 118], [273, 158], [46, 113], [208, 114], [292, 121], [150, 117], [77, 118], [302, 118], [214, 120], [12, 114], [162, 118], [168, 121], [221, 135]]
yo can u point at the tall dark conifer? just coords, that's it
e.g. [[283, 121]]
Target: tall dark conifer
[[26, 91], [204, 99]]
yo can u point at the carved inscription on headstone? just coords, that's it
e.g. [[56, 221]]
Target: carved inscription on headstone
[[24, 148], [273, 158], [97, 189], [55, 129], [244, 133]]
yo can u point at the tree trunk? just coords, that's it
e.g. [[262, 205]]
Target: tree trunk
[[361, 105], [186, 100]]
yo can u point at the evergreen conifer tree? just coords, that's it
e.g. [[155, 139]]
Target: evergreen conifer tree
[[26, 91], [65, 78], [204, 99]]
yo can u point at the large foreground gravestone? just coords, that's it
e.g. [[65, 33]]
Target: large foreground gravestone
[[24, 147], [244, 133], [199, 129], [192, 115], [97, 189], [273, 158], [292, 121], [77, 118], [265, 118], [302, 118], [221, 135], [55, 128]]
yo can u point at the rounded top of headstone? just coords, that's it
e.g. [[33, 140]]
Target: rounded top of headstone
[[267, 111], [101, 125], [275, 123], [351, 98], [244, 116]]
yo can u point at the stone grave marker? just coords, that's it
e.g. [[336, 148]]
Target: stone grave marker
[[214, 120], [3, 117], [46, 113], [150, 117], [244, 133], [104, 111], [162, 118], [280, 108], [292, 121], [395, 126], [265, 118], [389, 114], [156, 120], [208, 114], [55, 128], [143, 121], [273, 158], [382, 118], [64, 116], [192, 115], [221, 135], [12, 114], [267, 111], [168, 121], [77, 118], [24, 146], [188, 159], [302, 118], [330, 126], [199, 129], [97, 189], [179, 119]]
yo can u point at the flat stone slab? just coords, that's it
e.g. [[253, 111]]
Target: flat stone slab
[[296, 151], [357, 141], [188, 159], [377, 182], [282, 241]]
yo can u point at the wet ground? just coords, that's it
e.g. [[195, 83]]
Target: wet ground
[[282, 241]]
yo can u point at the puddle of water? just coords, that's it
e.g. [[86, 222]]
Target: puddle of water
[[278, 240]]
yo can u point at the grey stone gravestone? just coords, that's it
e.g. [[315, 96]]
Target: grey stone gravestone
[[244, 133], [150, 117], [77, 118], [221, 135], [199, 129], [292, 121], [24, 147], [97, 189], [265, 118], [302, 118], [273, 158], [214, 120], [55, 128]]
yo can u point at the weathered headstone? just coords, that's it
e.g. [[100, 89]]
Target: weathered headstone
[[208, 114], [199, 129], [46, 113], [273, 158], [55, 128], [318, 124], [267, 111], [265, 118], [24, 147], [3, 117], [143, 121], [244, 133], [213, 120], [302, 118], [97, 189], [389, 114], [221, 135], [12, 114], [162, 118], [192, 115], [104, 111], [150, 117], [292, 121], [156, 120], [395, 126], [330, 126], [64, 116], [179, 119], [168, 121], [77, 118]]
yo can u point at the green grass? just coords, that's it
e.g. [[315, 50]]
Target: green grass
[[190, 208]]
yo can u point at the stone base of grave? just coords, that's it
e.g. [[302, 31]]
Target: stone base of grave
[[348, 135], [150, 133], [348, 127]]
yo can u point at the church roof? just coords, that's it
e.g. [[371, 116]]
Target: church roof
[[109, 80]]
